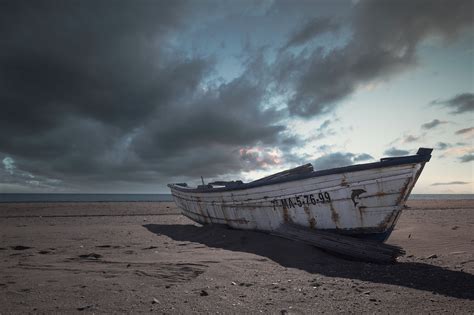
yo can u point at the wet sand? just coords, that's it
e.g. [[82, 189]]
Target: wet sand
[[146, 257]]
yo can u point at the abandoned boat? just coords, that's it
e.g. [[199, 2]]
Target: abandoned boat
[[363, 200]]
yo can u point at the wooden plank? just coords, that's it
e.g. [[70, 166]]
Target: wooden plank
[[360, 249], [303, 169]]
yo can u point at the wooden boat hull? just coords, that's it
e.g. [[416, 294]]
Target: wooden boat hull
[[365, 202]]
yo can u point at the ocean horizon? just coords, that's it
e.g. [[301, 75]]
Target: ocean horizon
[[80, 197]]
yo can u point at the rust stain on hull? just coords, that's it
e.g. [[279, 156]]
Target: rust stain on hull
[[404, 189], [344, 182], [311, 219], [388, 221], [286, 215], [361, 210], [334, 215]]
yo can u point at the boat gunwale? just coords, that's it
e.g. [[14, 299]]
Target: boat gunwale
[[423, 155]]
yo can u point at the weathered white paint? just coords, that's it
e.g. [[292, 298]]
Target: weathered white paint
[[374, 211]]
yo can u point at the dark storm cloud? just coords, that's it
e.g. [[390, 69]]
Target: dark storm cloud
[[450, 183], [95, 91], [396, 152], [461, 103], [220, 122], [464, 131], [432, 124], [467, 158], [76, 77], [83, 57], [86, 59], [339, 159], [106, 93], [385, 38], [310, 30]]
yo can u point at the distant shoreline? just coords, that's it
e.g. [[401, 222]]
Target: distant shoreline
[[65, 197], [68, 197]]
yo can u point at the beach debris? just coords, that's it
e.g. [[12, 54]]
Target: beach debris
[[103, 246], [150, 247], [85, 307], [242, 284], [432, 256], [20, 247], [44, 252], [233, 283], [455, 227], [203, 293], [155, 301], [409, 235], [92, 256]]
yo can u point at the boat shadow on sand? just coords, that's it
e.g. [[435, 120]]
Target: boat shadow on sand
[[290, 254]]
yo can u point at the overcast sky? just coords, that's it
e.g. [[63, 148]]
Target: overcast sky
[[127, 96]]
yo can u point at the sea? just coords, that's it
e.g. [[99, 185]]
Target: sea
[[84, 197], [17, 198]]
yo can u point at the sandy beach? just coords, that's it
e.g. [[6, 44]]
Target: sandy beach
[[146, 257]]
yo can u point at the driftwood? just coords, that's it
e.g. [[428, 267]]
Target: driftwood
[[360, 249]]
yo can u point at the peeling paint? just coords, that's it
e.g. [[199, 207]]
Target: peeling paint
[[306, 210], [201, 211]]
